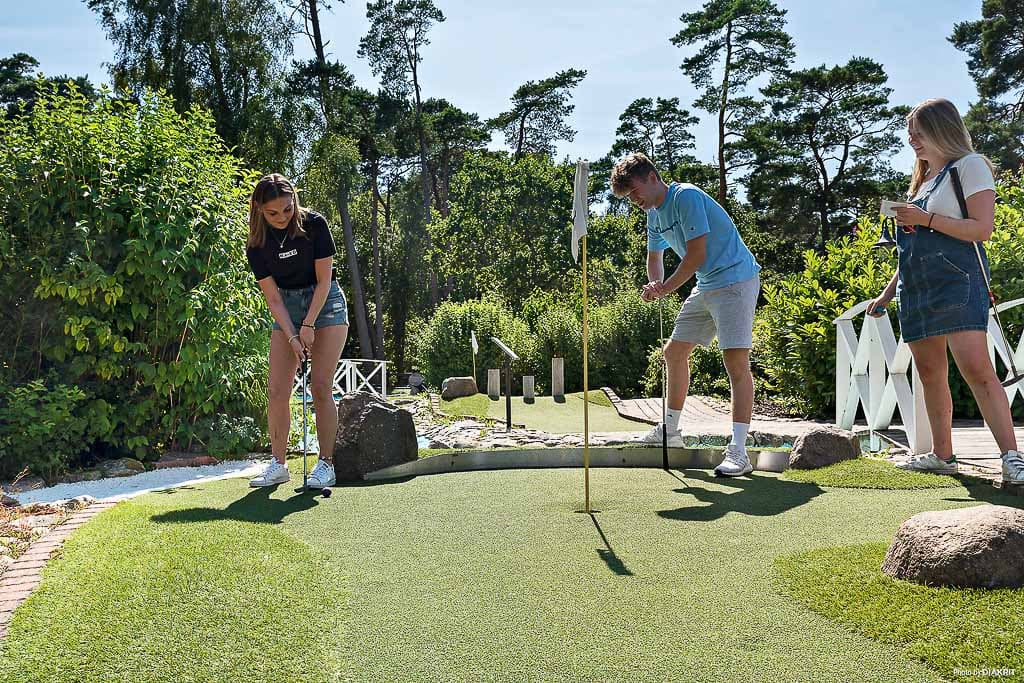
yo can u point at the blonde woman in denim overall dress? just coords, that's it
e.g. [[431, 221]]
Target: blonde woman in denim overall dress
[[291, 254], [943, 301]]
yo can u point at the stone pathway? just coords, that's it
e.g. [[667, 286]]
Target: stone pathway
[[24, 575]]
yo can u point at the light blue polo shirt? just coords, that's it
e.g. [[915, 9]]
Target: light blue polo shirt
[[689, 212]]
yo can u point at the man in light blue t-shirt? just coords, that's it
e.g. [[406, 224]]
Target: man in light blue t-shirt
[[686, 219]]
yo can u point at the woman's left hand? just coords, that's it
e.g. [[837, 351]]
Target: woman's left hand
[[307, 336], [910, 215]]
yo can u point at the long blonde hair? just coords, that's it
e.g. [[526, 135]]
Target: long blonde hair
[[271, 187], [938, 121]]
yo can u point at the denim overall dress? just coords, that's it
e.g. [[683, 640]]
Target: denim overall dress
[[941, 289]]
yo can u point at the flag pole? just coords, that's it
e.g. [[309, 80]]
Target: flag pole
[[586, 389]]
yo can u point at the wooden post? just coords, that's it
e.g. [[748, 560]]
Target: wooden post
[[494, 383], [558, 378], [528, 389]]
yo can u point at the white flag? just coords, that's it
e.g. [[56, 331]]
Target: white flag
[[472, 340], [580, 206]]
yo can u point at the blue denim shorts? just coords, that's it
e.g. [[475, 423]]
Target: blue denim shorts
[[334, 311], [941, 288]]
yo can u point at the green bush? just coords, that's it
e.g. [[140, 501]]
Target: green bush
[[46, 427], [707, 372], [224, 436], [443, 346], [622, 334], [122, 265], [799, 353]]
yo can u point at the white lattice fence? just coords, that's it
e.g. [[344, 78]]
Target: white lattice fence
[[876, 372], [356, 374]]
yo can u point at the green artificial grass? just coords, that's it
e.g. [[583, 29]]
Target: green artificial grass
[[956, 631], [197, 585], [870, 473], [569, 412], [465, 577], [467, 406]]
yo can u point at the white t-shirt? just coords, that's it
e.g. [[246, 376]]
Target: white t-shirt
[[975, 177]]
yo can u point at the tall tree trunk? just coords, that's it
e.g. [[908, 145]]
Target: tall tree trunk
[[355, 273], [378, 286], [723, 188], [425, 176], [355, 277]]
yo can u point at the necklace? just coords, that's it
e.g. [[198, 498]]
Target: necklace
[[280, 242]]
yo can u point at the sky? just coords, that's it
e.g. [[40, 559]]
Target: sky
[[486, 49]]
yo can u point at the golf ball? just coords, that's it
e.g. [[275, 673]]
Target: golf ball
[[327, 493]]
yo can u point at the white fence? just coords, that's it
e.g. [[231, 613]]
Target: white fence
[[349, 377], [876, 372]]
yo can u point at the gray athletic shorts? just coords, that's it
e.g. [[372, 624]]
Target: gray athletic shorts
[[727, 313]]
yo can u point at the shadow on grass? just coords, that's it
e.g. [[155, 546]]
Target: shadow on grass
[[755, 496], [986, 493], [607, 553], [256, 506]]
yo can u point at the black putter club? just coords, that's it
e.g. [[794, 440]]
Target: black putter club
[[305, 432], [664, 384]]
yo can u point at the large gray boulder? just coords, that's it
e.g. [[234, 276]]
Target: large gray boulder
[[823, 446], [456, 387], [372, 434], [975, 547]]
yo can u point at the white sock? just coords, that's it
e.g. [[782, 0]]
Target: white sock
[[672, 419], [739, 433]]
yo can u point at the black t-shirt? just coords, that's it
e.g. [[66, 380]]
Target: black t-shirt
[[290, 260]]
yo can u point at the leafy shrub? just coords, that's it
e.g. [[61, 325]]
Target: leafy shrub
[[224, 436], [622, 333], [45, 428], [122, 265], [799, 353], [444, 347], [707, 372]]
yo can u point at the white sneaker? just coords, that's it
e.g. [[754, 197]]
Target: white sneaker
[[654, 435], [736, 462], [1013, 467], [929, 462], [321, 476], [276, 473]]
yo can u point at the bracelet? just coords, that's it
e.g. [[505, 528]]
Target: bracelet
[[308, 325], [292, 338], [930, 217]]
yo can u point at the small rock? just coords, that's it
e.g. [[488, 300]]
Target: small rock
[[5, 562], [975, 547], [81, 475], [122, 467], [434, 443], [8, 502], [25, 484], [823, 446], [78, 503], [456, 387], [184, 460]]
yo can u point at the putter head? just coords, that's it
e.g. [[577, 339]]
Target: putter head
[[1012, 381]]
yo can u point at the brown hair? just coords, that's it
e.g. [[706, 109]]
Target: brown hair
[[939, 122], [634, 167], [271, 187]]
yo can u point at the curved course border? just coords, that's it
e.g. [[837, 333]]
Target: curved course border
[[600, 456]]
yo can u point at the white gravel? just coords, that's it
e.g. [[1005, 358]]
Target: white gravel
[[120, 488]]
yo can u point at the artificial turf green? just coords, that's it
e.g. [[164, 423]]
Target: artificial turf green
[[466, 576], [198, 585], [956, 631], [870, 473], [546, 414]]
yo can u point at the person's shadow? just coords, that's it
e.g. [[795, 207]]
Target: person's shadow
[[755, 495], [256, 506]]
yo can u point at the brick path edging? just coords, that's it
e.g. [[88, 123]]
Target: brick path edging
[[24, 575]]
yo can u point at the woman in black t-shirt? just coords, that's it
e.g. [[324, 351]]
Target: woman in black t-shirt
[[291, 253]]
